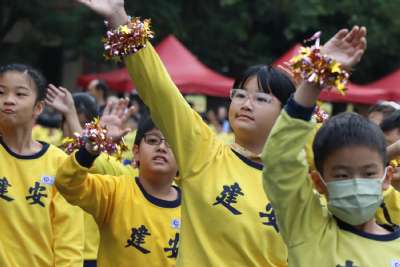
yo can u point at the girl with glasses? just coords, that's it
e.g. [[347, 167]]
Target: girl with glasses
[[138, 217]]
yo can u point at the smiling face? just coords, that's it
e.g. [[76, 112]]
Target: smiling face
[[252, 119], [155, 157], [18, 100]]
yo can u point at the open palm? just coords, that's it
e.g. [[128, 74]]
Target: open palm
[[105, 8], [347, 47], [115, 116]]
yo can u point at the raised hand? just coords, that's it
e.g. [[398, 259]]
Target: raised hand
[[115, 116], [347, 47], [60, 99], [112, 10]]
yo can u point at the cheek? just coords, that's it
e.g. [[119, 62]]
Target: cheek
[[267, 116]]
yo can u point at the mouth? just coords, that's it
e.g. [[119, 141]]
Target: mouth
[[8, 111], [244, 117], [160, 159]]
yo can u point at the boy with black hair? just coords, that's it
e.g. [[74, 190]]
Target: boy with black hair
[[350, 158], [138, 218]]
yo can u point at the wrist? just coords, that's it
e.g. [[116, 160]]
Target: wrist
[[307, 94], [117, 18]]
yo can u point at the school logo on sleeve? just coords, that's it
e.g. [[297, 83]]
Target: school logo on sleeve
[[395, 263], [229, 196], [137, 239], [176, 224], [49, 180]]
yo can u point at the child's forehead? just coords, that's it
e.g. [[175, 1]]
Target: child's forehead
[[354, 157], [16, 79]]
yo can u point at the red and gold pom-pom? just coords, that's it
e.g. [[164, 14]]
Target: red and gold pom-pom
[[96, 135], [320, 115], [319, 69], [127, 39]]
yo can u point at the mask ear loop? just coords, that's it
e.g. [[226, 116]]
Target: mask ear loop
[[322, 179], [384, 175]]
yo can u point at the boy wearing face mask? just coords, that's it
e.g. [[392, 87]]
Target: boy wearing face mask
[[350, 159]]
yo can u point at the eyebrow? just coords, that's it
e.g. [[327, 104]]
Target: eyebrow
[[371, 165], [340, 167], [17, 87]]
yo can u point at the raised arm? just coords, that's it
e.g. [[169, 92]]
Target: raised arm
[[285, 175], [183, 127], [61, 100]]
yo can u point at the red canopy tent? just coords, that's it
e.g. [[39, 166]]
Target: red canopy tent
[[390, 83], [356, 93], [189, 74]]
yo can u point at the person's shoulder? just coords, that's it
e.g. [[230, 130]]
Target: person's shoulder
[[54, 151]]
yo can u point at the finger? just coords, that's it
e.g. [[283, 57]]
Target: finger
[[48, 102], [358, 37], [63, 89], [107, 109], [341, 34], [357, 57], [84, 2], [350, 36], [125, 132], [120, 110], [52, 86], [362, 45], [128, 113], [52, 93]]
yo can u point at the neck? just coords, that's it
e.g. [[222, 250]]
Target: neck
[[372, 227], [251, 145], [19, 140], [158, 186]]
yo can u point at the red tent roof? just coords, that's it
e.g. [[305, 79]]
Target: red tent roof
[[390, 83], [356, 93], [188, 73]]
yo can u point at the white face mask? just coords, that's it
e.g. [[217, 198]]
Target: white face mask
[[356, 200]]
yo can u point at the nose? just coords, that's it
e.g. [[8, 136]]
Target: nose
[[162, 146], [9, 99], [247, 104]]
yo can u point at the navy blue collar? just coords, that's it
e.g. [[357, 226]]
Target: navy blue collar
[[251, 163], [395, 231], [36, 155], [160, 202]]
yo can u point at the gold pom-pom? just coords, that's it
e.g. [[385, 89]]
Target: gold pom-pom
[[127, 39], [319, 69]]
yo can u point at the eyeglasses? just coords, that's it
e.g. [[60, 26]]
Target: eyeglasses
[[240, 96], [155, 140]]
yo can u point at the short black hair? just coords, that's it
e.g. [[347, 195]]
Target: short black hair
[[270, 80], [146, 124], [391, 122], [36, 76], [86, 104], [385, 109], [345, 130], [102, 86]]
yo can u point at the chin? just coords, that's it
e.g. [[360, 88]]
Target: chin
[[244, 127]]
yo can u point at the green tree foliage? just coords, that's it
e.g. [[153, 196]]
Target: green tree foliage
[[227, 35]]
